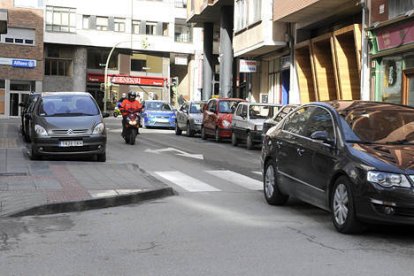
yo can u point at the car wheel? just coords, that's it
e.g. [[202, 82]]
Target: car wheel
[[203, 133], [101, 157], [177, 129], [342, 206], [33, 154], [272, 193], [249, 141], [234, 141], [217, 135], [190, 132]]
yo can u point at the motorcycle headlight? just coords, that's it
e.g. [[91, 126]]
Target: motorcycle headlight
[[99, 129], [226, 124], [40, 131], [388, 180], [132, 123]]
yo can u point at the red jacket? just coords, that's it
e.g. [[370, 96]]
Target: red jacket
[[128, 105]]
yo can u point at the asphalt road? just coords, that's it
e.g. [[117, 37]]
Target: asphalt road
[[217, 224]]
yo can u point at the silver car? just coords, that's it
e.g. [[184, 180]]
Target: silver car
[[247, 123], [67, 123], [189, 118]]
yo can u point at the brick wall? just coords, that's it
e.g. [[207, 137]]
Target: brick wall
[[23, 18], [376, 13]]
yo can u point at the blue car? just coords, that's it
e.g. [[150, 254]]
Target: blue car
[[158, 114]]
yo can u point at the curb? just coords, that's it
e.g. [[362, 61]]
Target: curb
[[98, 203]]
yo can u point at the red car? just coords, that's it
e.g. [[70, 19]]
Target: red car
[[217, 117]]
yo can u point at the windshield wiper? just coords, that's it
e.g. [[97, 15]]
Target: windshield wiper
[[70, 114]]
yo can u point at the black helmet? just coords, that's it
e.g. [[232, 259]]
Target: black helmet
[[132, 95]]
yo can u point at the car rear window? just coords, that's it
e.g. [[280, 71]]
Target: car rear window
[[70, 105]]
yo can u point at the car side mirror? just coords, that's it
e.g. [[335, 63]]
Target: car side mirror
[[323, 136], [105, 114]]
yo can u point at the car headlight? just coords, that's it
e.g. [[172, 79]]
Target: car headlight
[[388, 179], [226, 124], [173, 117], [98, 129], [40, 131]]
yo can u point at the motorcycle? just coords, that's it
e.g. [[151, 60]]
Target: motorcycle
[[117, 112], [131, 126]]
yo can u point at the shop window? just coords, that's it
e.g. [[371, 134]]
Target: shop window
[[60, 19], [21, 86], [97, 59], [399, 7], [391, 79]]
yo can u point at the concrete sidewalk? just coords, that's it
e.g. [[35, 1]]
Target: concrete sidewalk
[[43, 187]]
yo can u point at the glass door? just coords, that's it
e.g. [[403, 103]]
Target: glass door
[[17, 97]]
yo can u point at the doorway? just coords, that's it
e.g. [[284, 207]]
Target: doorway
[[17, 97], [408, 88]]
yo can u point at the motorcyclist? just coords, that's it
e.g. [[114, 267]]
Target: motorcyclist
[[131, 104]]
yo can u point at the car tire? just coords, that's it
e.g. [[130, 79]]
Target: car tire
[[271, 191], [190, 132], [178, 131], [249, 141], [234, 141], [342, 207], [217, 137], [203, 133], [101, 157]]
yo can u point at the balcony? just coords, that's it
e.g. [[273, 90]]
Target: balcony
[[306, 10], [203, 11]]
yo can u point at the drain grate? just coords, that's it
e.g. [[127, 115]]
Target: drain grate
[[13, 174]]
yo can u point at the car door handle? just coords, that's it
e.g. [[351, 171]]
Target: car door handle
[[300, 151]]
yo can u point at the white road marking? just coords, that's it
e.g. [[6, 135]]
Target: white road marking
[[257, 172], [238, 179], [186, 182]]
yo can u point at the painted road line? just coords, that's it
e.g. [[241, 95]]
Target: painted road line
[[186, 182], [238, 179]]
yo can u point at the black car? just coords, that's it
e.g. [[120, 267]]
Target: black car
[[283, 111], [27, 107], [353, 158]]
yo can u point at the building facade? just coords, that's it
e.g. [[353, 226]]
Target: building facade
[[21, 55]]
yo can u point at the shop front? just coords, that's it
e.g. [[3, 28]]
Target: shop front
[[392, 61]]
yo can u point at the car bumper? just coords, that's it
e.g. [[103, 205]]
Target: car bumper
[[160, 124], [225, 132], [391, 206], [257, 136], [51, 146], [195, 127]]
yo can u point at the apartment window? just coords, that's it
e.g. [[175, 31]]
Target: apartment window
[[86, 21], [183, 33], [135, 26], [97, 59], [28, 3], [29, 41], [399, 7], [20, 36], [9, 40], [138, 64], [119, 25], [180, 3], [151, 28], [57, 67], [60, 19], [18, 41], [247, 12], [102, 23]]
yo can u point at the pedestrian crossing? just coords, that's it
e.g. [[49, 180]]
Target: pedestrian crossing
[[207, 184]]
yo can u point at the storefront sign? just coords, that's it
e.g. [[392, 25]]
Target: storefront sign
[[248, 66], [180, 60], [395, 36], [285, 62], [18, 63], [128, 80]]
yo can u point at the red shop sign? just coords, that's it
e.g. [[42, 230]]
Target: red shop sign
[[395, 36], [131, 80]]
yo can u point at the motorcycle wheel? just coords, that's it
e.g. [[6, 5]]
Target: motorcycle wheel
[[132, 136]]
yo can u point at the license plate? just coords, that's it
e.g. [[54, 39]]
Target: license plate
[[75, 143], [163, 120]]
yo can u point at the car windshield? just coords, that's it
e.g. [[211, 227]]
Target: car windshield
[[382, 125], [196, 108], [227, 106], [70, 105], [161, 106], [262, 111]]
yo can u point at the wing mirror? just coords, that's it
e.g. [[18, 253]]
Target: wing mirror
[[105, 114], [322, 136]]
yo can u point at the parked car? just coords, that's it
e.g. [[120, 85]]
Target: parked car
[[217, 117], [247, 123], [158, 114], [189, 118], [67, 123], [27, 107], [353, 158], [271, 122]]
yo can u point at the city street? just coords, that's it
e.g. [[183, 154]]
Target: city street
[[217, 223]]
